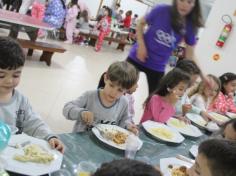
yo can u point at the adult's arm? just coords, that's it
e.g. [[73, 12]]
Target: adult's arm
[[142, 50]]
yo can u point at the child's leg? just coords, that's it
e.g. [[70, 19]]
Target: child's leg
[[101, 36], [69, 32]]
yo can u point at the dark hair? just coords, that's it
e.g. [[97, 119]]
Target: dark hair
[[74, 2], [220, 155], [123, 73], [195, 17], [232, 121], [118, 5], [63, 4], [225, 79], [135, 15], [129, 13], [126, 167], [169, 81], [109, 11], [11, 54], [84, 14], [188, 66]]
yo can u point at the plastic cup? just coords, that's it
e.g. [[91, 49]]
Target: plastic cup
[[86, 168], [132, 144], [60, 172]]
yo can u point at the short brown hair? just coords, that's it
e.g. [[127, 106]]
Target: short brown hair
[[123, 73]]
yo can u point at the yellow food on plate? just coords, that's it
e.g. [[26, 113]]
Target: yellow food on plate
[[180, 171], [34, 153], [177, 123], [83, 174], [219, 117], [162, 132], [119, 137], [201, 122]]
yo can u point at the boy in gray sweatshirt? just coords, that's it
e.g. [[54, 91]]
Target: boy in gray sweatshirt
[[106, 105], [15, 109]]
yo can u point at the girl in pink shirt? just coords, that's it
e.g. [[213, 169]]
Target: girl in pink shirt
[[225, 100], [160, 106]]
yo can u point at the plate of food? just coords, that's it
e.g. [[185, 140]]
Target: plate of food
[[194, 151], [113, 135], [184, 128], [231, 115], [174, 167], [197, 120], [163, 132], [218, 117], [27, 155]]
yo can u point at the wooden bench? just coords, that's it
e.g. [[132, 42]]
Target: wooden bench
[[47, 48], [93, 38]]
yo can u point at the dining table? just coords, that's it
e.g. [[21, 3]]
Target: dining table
[[85, 146], [16, 22]]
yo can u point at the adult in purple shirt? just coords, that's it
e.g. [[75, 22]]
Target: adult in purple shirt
[[168, 25]]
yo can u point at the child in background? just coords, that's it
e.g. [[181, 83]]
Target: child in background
[[229, 130], [204, 95], [183, 105], [128, 94], [160, 106], [127, 20], [70, 21], [225, 100], [82, 26], [126, 167], [216, 157], [15, 108], [104, 27], [106, 105]]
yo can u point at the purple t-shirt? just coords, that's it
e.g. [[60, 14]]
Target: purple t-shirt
[[160, 39]]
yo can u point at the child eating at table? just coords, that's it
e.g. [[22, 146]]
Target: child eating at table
[[128, 93], [105, 105], [126, 167], [204, 95], [225, 100], [216, 157], [183, 105], [15, 108], [160, 106]]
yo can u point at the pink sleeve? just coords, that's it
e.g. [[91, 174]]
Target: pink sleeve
[[148, 111], [220, 104], [230, 102]]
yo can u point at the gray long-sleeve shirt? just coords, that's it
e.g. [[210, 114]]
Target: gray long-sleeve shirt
[[117, 114], [18, 112]]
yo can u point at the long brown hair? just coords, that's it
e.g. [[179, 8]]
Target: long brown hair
[[169, 81], [202, 86], [195, 17]]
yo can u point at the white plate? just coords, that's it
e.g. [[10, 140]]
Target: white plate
[[197, 119], [165, 162], [231, 115], [194, 150], [219, 117], [149, 126], [112, 128], [30, 168], [183, 128]]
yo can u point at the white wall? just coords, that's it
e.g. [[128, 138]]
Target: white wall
[[206, 47], [136, 7]]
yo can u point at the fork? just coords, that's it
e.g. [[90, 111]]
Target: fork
[[16, 145], [102, 133]]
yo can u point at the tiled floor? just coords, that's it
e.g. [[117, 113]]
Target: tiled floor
[[71, 73]]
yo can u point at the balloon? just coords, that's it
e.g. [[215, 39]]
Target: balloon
[[5, 134]]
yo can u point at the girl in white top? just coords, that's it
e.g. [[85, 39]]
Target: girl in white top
[[204, 95]]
